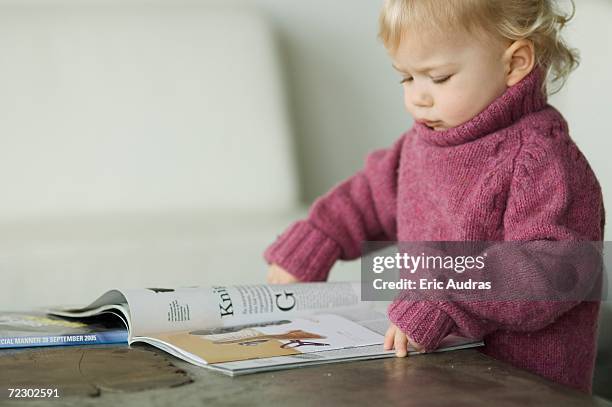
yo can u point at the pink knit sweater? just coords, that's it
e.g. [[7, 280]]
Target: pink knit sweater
[[510, 173]]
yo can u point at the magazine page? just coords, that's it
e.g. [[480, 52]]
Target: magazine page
[[120, 310], [151, 311], [294, 336], [186, 309], [329, 356], [109, 298]]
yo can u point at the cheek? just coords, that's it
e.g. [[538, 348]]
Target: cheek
[[455, 107], [463, 102], [407, 104]]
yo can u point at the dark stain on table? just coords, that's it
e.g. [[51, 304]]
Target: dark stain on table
[[90, 371]]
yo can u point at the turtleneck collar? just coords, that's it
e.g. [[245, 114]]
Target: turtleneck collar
[[517, 101]]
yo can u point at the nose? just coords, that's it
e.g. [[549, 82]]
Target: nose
[[419, 97]]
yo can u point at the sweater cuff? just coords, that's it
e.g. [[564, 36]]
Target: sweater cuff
[[421, 321], [304, 251]]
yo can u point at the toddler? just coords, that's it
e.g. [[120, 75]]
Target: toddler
[[487, 159]]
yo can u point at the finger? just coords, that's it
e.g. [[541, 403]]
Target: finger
[[415, 345], [273, 277], [389, 338], [273, 274], [270, 277], [284, 279], [289, 278], [401, 344]]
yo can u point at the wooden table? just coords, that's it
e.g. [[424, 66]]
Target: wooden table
[[460, 378]]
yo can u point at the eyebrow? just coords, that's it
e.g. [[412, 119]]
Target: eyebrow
[[423, 70]]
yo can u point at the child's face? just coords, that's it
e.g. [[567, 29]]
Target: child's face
[[466, 75]]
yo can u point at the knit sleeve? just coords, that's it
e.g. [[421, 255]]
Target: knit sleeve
[[553, 196], [361, 208]]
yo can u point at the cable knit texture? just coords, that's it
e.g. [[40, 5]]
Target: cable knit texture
[[510, 173]]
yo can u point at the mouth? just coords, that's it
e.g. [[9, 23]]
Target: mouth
[[429, 123]]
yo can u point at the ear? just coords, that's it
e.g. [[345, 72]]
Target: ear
[[519, 60]]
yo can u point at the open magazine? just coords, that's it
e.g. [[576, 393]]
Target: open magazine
[[250, 328]]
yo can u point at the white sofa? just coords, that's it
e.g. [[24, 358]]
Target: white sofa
[[140, 146]]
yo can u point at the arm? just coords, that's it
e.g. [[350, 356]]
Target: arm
[[361, 208], [550, 199]]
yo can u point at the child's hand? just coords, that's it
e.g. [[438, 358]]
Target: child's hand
[[278, 275], [396, 339]]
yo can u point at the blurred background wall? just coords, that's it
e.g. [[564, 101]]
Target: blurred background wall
[[345, 97]]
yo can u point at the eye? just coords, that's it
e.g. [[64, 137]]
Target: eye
[[441, 79], [406, 79]]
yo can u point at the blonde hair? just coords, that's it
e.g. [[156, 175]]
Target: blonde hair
[[539, 21]]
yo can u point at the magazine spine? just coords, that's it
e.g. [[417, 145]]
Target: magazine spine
[[97, 338]]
